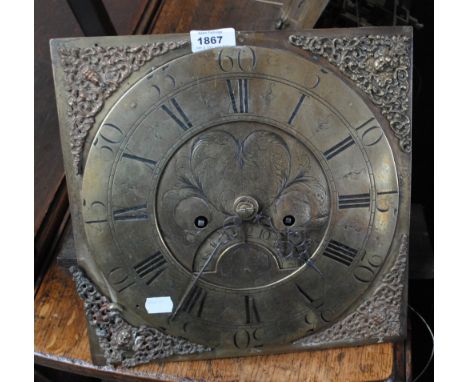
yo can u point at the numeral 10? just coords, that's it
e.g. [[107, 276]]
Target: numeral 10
[[370, 132]]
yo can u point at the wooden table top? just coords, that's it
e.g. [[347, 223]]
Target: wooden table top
[[61, 341]]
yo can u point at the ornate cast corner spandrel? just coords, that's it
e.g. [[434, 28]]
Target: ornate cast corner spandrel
[[92, 75], [122, 343], [379, 65], [378, 317]]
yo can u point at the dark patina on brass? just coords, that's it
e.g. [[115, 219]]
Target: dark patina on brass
[[262, 189]]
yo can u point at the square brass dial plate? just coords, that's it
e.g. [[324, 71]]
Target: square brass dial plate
[[240, 200]]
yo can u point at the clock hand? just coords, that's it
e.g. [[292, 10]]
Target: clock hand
[[267, 222], [194, 281], [197, 277]]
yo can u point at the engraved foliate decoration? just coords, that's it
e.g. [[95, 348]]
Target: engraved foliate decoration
[[92, 75], [379, 65], [121, 342]]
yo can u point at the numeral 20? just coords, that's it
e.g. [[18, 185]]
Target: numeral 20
[[370, 132]]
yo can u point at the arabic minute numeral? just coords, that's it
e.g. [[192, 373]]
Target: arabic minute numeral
[[370, 133], [108, 139], [233, 59], [245, 338], [119, 279]]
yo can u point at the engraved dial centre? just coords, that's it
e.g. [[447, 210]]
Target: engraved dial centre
[[265, 198]]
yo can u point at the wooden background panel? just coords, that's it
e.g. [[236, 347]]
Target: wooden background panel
[[125, 14], [180, 16], [52, 18], [61, 341]]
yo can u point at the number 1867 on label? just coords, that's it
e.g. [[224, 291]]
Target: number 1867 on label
[[210, 40], [202, 40]]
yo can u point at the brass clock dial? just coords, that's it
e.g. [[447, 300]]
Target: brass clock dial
[[252, 186]]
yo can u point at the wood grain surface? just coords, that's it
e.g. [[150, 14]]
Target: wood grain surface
[[180, 16], [61, 341], [48, 164]]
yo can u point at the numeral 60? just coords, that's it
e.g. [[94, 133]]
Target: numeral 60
[[233, 59]]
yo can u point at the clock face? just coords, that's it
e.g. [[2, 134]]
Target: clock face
[[250, 186]]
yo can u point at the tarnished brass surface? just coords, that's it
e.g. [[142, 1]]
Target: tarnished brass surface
[[257, 186]]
